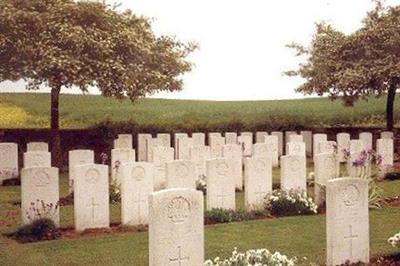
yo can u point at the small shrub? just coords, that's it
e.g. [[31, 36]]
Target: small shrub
[[219, 215], [115, 193], [252, 257], [290, 203], [37, 230]]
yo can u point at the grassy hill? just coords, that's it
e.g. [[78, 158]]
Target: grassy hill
[[31, 110]]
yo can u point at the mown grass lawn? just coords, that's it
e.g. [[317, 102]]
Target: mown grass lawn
[[301, 236], [31, 110]]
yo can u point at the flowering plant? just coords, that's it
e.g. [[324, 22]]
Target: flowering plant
[[103, 158], [256, 257], [40, 210], [395, 240], [288, 203]]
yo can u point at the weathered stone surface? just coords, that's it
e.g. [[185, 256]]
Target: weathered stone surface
[[181, 174], [384, 148], [37, 146], [37, 159], [161, 156], [279, 134], [366, 138], [347, 221], [293, 172], [8, 160], [343, 145], [233, 152], [78, 157], [142, 146], [176, 228], [118, 158]]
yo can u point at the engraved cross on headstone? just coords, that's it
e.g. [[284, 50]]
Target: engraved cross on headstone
[[139, 201], [178, 260], [93, 205], [351, 236], [221, 196]]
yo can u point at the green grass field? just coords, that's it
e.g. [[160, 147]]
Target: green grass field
[[301, 236], [31, 110]]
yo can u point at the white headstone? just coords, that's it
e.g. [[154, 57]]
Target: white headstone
[[216, 144], [142, 146], [164, 139], [199, 155], [118, 158], [176, 228], [199, 139], [366, 138], [8, 160], [214, 134], [326, 167], [248, 134], [295, 138], [293, 172], [128, 138], [37, 159], [161, 156], [260, 136], [279, 134], [384, 148], [150, 144], [347, 221], [184, 145], [343, 145], [247, 144], [326, 147], [296, 148], [287, 136], [220, 184], [122, 144], [356, 146], [91, 197], [230, 138], [40, 194], [316, 139], [233, 152], [136, 186], [272, 143], [181, 174], [307, 138], [78, 157], [178, 136], [257, 182], [387, 135], [37, 146]]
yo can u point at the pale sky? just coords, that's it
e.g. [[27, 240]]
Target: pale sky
[[242, 42]]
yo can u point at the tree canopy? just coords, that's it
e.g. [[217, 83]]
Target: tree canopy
[[64, 43], [353, 66]]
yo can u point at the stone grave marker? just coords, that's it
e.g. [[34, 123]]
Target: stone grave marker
[[37, 146], [343, 145], [293, 172], [161, 156], [366, 138], [8, 160], [181, 174], [118, 158], [37, 159], [233, 152], [142, 146], [279, 134], [78, 157]]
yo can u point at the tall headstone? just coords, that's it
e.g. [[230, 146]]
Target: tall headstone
[[91, 197], [199, 155], [326, 167], [384, 148], [260, 136], [347, 221], [230, 138], [161, 156], [8, 160], [177, 137], [40, 194], [327, 147], [78, 157], [246, 140], [366, 138], [184, 145], [257, 181], [216, 144], [150, 144], [287, 137], [199, 139], [136, 186], [387, 135], [317, 138], [272, 143], [164, 139], [356, 146], [118, 158], [293, 172], [233, 152], [296, 148], [181, 174], [142, 146], [176, 228], [295, 138], [343, 145], [279, 134], [307, 138], [37, 159], [220, 184], [37, 146]]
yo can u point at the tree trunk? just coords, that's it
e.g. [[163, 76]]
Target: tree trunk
[[389, 107], [55, 125]]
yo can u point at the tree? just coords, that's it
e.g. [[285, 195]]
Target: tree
[[354, 66], [65, 43]]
